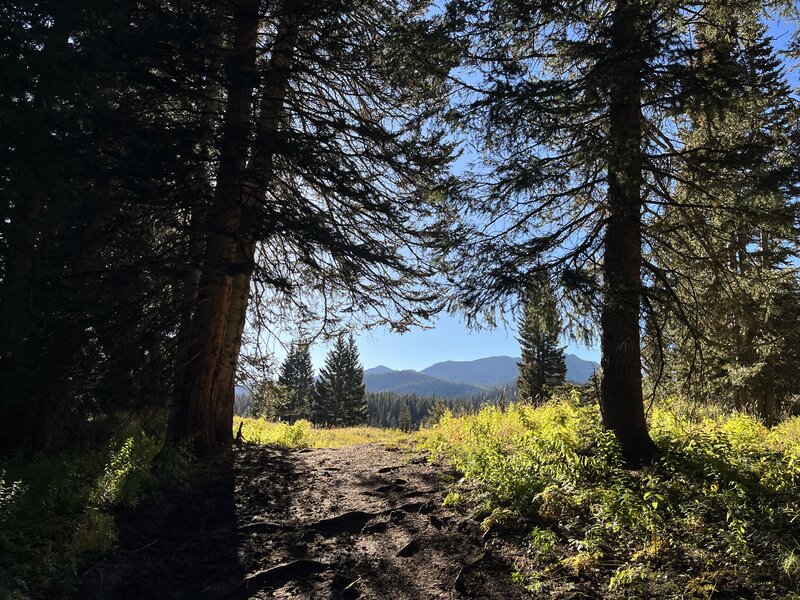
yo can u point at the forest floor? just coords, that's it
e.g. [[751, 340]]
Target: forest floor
[[361, 521]]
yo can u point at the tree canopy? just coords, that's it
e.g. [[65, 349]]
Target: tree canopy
[[581, 111], [177, 178]]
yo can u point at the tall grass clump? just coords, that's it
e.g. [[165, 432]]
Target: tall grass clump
[[717, 515], [56, 509]]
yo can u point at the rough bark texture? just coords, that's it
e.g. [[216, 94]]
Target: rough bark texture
[[255, 184], [621, 400], [197, 216], [204, 402], [195, 412]]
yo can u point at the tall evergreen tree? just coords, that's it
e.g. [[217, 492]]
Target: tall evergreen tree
[[405, 422], [297, 376], [543, 363], [99, 151], [327, 168], [577, 108], [268, 400], [734, 262], [340, 391]]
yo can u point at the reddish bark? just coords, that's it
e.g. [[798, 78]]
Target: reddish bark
[[204, 403]]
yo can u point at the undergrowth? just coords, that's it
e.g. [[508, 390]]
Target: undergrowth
[[302, 434], [56, 509], [715, 516]]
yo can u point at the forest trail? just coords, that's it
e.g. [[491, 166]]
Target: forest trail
[[357, 522]]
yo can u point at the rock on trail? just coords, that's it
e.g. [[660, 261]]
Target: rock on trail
[[357, 522]]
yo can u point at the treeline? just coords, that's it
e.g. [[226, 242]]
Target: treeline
[[410, 411]]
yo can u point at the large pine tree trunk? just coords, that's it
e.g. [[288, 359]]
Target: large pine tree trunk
[[193, 416], [621, 397], [257, 180], [195, 412], [204, 403], [202, 193], [190, 290], [237, 315]]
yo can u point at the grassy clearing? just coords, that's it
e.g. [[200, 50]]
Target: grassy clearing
[[717, 516], [55, 509], [303, 434]]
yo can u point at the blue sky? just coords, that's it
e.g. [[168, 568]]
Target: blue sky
[[450, 339]]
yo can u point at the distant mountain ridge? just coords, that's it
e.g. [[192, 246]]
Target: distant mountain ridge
[[413, 382], [490, 371], [580, 371], [466, 377]]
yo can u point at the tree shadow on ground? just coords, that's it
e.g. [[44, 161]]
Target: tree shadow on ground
[[185, 542], [355, 522]]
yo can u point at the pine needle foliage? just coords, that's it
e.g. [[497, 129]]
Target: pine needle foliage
[[340, 396], [268, 400], [577, 110], [732, 334], [543, 365], [297, 376]]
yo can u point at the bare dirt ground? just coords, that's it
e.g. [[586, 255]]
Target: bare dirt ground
[[358, 522]]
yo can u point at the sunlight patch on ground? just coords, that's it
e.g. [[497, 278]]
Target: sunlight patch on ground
[[303, 434]]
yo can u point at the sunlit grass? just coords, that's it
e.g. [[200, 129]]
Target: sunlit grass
[[717, 514], [303, 434]]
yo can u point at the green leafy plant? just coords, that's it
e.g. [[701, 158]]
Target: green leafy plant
[[127, 472], [719, 509], [10, 493], [56, 509]]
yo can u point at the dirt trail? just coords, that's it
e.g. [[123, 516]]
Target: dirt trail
[[358, 522]]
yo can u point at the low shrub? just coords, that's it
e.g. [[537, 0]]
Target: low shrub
[[56, 509], [717, 513]]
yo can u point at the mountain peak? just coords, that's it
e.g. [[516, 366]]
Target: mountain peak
[[489, 371], [501, 370], [379, 370]]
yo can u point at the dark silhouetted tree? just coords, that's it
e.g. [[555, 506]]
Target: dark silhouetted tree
[[100, 149], [340, 399], [543, 364], [326, 178]]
